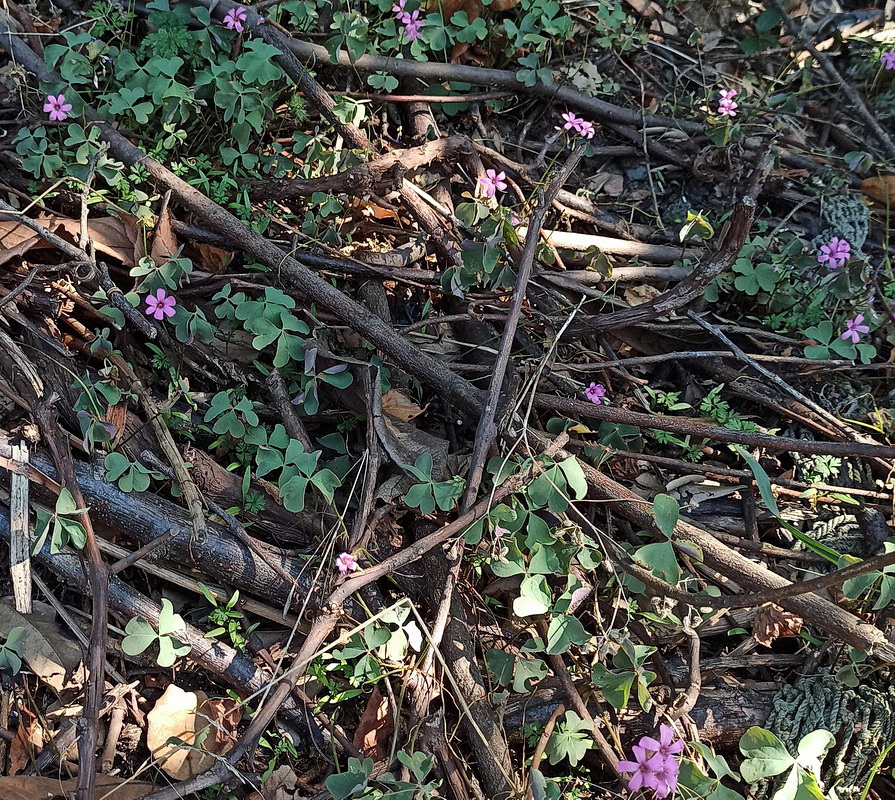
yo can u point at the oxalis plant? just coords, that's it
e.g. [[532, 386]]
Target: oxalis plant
[[140, 636]]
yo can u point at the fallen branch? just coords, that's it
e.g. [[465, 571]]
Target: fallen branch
[[686, 427]]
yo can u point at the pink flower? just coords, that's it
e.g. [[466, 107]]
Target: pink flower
[[726, 105], [160, 305], [654, 765], [595, 393], [571, 121], [492, 182], [665, 776], [888, 59], [667, 745], [57, 108], [235, 19], [586, 129], [581, 126], [346, 563], [650, 772], [398, 8], [854, 329], [836, 253], [412, 25]]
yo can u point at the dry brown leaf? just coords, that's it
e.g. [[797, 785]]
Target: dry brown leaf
[[55, 659], [28, 743], [400, 405], [881, 189], [635, 295], [375, 728], [213, 259], [108, 787], [772, 622], [119, 238], [281, 785], [187, 716], [164, 243]]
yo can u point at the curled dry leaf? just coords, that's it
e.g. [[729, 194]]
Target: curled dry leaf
[[164, 242], [204, 726], [881, 189], [772, 622], [108, 787], [636, 295], [400, 405], [375, 728]]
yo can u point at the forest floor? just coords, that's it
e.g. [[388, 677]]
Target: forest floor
[[451, 400]]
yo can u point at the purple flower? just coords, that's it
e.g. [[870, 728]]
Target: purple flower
[[668, 744], [586, 129], [654, 765], [888, 59], [854, 329], [571, 121], [726, 105], [346, 563], [595, 393], [398, 7], [581, 126], [57, 108], [665, 775], [492, 182], [834, 254], [235, 19], [160, 305], [650, 772], [412, 25]]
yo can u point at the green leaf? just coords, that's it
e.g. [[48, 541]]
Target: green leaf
[[345, 784], [534, 597], [292, 492], [139, 635], [765, 754], [616, 687], [169, 650], [659, 559], [575, 476], [65, 503], [168, 620], [500, 666], [570, 740], [667, 513], [257, 62], [812, 748], [563, 632], [529, 672], [420, 496]]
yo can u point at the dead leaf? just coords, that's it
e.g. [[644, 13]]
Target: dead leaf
[[55, 659], [281, 785], [881, 189], [375, 728], [213, 259], [28, 743], [636, 295], [772, 622], [400, 405], [119, 238], [108, 787], [204, 726], [164, 243]]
